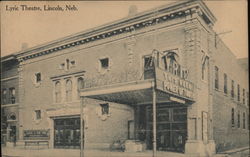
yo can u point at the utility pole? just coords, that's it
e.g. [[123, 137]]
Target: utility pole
[[81, 127]]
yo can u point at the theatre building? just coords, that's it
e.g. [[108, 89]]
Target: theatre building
[[161, 79]]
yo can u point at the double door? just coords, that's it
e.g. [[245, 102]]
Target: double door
[[67, 133], [171, 128]]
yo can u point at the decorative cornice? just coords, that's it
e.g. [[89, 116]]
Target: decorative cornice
[[146, 19]]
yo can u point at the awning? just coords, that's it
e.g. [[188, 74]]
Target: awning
[[137, 92]]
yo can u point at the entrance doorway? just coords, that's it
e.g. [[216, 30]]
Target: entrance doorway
[[171, 128], [67, 133]]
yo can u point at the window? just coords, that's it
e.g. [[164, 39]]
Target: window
[[232, 89], [244, 120], [38, 114], [4, 96], [80, 85], [216, 81], [238, 119], [225, 83], [148, 67], [243, 96], [68, 90], [67, 64], [38, 77], [12, 95], [58, 92], [232, 117], [105, 108], [104, 63], [238, 87]]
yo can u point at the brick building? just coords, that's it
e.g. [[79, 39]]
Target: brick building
[[9, 99], [167, 61]]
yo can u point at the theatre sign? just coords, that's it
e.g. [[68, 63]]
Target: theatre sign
[[172, 84]]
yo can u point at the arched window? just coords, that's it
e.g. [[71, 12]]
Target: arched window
[[68, 90], [80, 85], [233, 117], [58, 92]]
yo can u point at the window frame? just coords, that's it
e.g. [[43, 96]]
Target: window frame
[[105, 109], [38, 114]]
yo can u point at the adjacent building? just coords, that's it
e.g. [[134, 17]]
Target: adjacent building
[[9, 99], [166, 62]]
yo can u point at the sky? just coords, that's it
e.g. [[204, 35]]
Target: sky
[[38, 27]]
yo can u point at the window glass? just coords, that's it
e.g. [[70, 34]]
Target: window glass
[[4, 96], [243, 96]]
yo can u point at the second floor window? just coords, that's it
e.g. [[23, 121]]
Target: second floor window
[[68, 90], [148, 67], [38, 77], [232, 117], [225, 83], [243, 96], [238, 88], [216, 79], [58, 92], [12, 95], [80, 85]]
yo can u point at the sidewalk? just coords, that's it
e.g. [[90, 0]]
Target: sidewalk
[[19, 152]]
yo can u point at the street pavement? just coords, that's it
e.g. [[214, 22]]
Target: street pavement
[[21, 152]]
